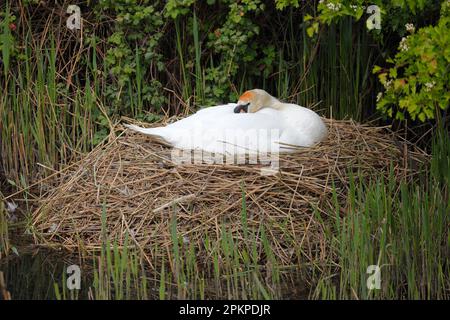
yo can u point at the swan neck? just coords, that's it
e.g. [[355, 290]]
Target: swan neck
[[276, 104]]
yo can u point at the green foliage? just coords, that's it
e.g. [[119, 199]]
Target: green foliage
[[174, 8], [230, 48], [394, 14], [330, 11], [7, 40], [137, 33], [232, 44], [282, 4], [419, 82]]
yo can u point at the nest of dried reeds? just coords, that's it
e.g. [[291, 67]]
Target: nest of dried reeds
[[140, 190]]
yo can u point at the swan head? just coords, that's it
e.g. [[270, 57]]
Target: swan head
[[253, 100]]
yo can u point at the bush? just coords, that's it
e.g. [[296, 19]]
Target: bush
[[419, 81], [133, 52]]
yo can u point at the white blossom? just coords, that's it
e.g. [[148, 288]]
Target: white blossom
[[429, 85], [379, 96], [388, 84], [410, 27], [334, 7], [403, 46]]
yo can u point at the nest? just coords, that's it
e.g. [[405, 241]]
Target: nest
[[142, 192]]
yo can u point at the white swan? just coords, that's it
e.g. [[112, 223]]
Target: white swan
[[257, 123]]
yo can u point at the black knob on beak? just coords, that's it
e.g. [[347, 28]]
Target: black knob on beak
[[240, 107]]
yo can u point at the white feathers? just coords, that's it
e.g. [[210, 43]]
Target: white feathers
[[219, 130]]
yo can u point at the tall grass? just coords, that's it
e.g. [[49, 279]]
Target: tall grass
[[40, 122], [4, 235], [403, 229]]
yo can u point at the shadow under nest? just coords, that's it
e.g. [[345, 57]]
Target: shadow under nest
[[141, 191]]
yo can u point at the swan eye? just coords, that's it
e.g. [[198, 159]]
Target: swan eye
[[241, 108]]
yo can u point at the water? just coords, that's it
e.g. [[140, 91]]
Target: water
[[36, 273]]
